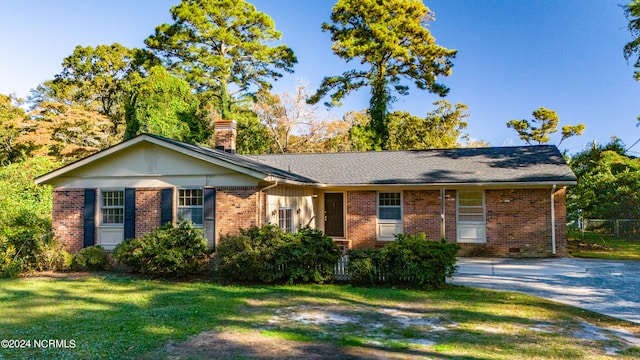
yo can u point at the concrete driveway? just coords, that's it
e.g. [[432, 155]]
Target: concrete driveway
[[608, 287]]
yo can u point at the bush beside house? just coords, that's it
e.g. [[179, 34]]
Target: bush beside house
[[411, 260], [169, 251], [267, 254]]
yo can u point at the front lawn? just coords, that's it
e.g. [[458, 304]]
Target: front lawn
[[594, 245], [110, 316]]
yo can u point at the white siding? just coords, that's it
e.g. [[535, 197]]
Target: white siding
[[149, 165], [300, 200]]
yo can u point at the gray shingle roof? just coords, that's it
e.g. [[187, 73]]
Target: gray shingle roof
[[522, 164], [238, 160]]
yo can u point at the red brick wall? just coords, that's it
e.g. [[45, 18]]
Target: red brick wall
[[235, 208], [68, 218], [519, 224], [560, 199], [361, 219], [421, 213], [147, 210], [518, 221]]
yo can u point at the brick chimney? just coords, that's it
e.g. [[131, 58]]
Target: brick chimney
[[225, 135]]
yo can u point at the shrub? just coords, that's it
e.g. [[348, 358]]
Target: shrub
[[252, 255], [53, 257], [267, 254], [410, 260], [92, 258], [310, 256], [364, 265], [25, 214], [10, 265], [169, 251]]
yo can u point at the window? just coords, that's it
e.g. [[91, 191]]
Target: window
[[112, 207], [389, 206], [190, 205], [285, 219], [471, 206], [471, 219]]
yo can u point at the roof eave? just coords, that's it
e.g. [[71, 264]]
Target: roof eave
[[46, 178], [461, 184]]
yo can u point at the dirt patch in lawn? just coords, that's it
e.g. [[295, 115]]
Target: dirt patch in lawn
[[358, 331], [255, 345], [51, 275], [250, 344]]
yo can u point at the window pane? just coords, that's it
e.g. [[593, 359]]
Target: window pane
[[470, 202], [190, 205], [471, 206], [285, 219], [113, 216], [389, 199], [196, 216], [471, 217], [390, 213]]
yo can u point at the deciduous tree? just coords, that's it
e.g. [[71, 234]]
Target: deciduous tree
[[163, 104], [295, 126], [96, 79], [391, 38], [608, 183], [12, 117], [221, 47], [64, 132]]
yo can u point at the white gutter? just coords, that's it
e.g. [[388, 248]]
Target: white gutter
[[553, 220], [443, 228], [259, 200], [460, 184]]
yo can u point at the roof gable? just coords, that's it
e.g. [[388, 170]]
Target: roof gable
[[215, 157]]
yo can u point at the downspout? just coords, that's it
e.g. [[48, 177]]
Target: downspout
[[553, 220], [260, 200], [443, 228]]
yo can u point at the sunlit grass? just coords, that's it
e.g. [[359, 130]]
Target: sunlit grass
[[112, 317], [594, 245]]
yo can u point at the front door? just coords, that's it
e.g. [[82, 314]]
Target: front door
[[334, 214]]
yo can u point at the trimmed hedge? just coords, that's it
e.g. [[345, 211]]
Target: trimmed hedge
[[267, 254], [411, 260], [170, 251]]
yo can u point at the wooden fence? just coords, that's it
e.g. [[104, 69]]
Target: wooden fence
[[340, 269]]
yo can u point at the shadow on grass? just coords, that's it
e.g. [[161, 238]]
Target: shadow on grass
[[119, 317]]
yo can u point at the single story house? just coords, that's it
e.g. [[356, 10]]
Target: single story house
[[494, 201]]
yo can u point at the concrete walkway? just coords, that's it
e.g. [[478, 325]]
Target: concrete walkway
[[607, 287]]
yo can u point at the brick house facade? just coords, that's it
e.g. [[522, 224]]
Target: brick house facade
[[492, 201]]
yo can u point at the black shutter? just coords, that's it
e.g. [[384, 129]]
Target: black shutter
[[129, 213], [89, 217], [166, 206], [210, 216]]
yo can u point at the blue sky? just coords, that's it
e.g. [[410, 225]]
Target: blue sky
[[513, 56]]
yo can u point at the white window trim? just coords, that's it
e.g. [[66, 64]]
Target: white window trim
[[178, 207], [100, 207], [479, 225], [396, 223], [291, 218]]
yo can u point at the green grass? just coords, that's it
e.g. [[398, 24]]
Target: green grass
[[113, 317], [595, 245]]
